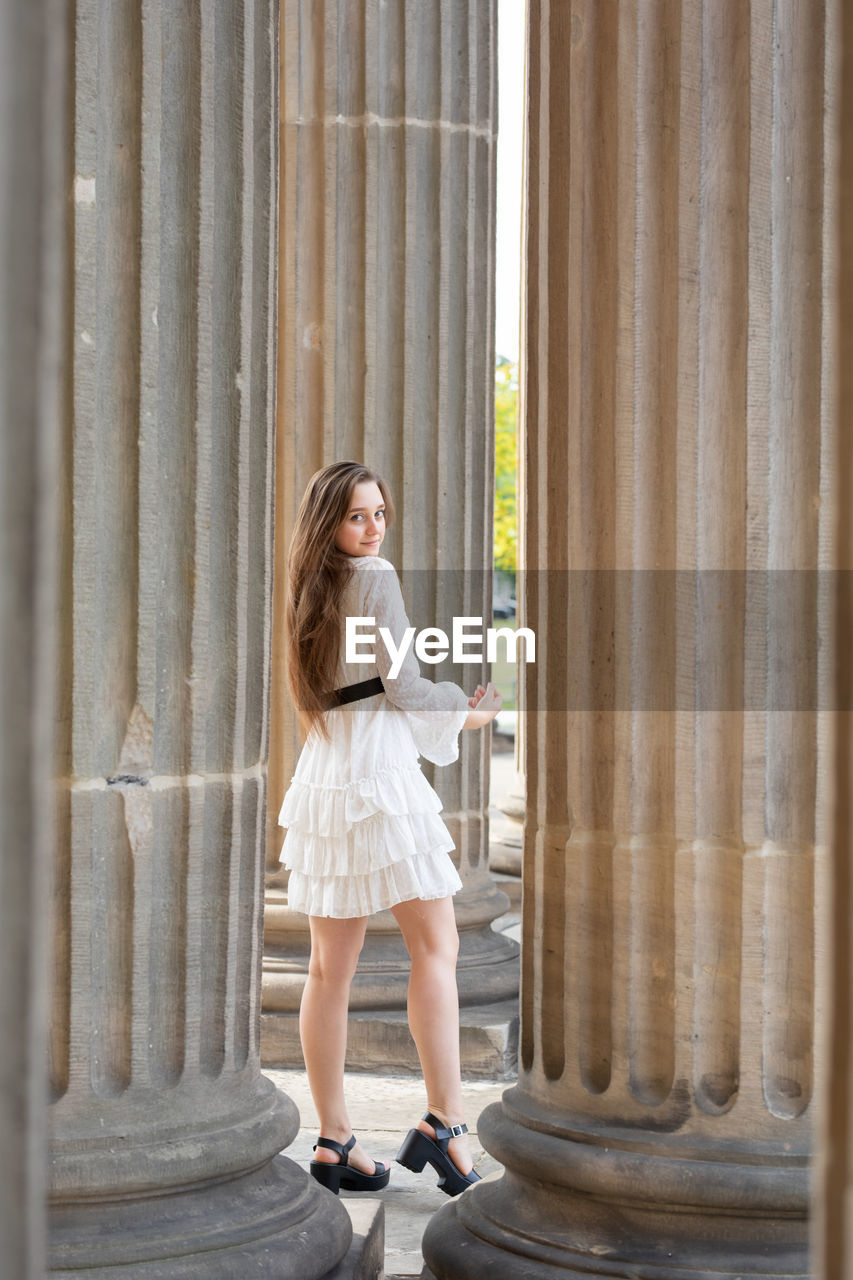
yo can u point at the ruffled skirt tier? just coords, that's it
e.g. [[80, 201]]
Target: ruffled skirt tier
[[364, 846]]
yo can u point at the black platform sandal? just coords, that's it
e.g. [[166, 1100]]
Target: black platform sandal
[[335, 1176], [418, 1148]]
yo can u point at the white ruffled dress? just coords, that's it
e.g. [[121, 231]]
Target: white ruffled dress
[[363, 825]]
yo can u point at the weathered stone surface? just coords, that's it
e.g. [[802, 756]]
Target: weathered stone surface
[[833, 1175], [677, 435], [365, 1259], [274, 1221], [164, 1134], [506, 819], [34, 181]]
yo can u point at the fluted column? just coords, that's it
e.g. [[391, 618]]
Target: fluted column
[[34, 173], [833, 1180], [679, 454], [386, 356], [164, 1131]]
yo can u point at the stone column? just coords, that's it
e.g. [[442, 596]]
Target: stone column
[[388, 136], [833, 1201], [164, 1131], [34, 78], [678, 447]]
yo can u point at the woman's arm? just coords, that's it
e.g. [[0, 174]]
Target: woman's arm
[[436, 710], [408, 689]]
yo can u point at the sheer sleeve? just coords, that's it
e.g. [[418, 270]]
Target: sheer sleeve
[[436, 711]]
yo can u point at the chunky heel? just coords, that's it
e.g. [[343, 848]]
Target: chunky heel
[[328, 1175], [414, 1153], [418, 1148], [336, 1176]]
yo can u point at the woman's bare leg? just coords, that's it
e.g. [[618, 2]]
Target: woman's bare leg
[[335, 947], [429, 931]]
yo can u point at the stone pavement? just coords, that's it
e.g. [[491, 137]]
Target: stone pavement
[[383, 1109]]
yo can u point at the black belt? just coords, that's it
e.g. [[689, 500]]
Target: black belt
[[354, 692]]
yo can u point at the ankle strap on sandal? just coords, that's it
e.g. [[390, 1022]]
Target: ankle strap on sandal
[[343, 1149], [443, 1132]]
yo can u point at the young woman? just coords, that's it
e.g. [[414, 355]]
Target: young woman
[[363, 825]]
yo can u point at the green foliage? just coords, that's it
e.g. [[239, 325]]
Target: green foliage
[[506, 465]]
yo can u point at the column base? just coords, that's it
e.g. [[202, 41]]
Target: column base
[[608, 1204], [465, 1241], [506, 853], [381, 1041], [509, 883], [487, 970], [275, 1222]]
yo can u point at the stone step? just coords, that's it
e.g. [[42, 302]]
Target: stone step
[[377, 1038], [365, 1258]]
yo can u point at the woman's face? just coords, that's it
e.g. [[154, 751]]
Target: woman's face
[[361, 531]]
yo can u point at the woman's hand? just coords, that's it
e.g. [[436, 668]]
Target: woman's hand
[[485, 705]]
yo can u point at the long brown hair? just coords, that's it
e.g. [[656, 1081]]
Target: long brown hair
[[317, 573]]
